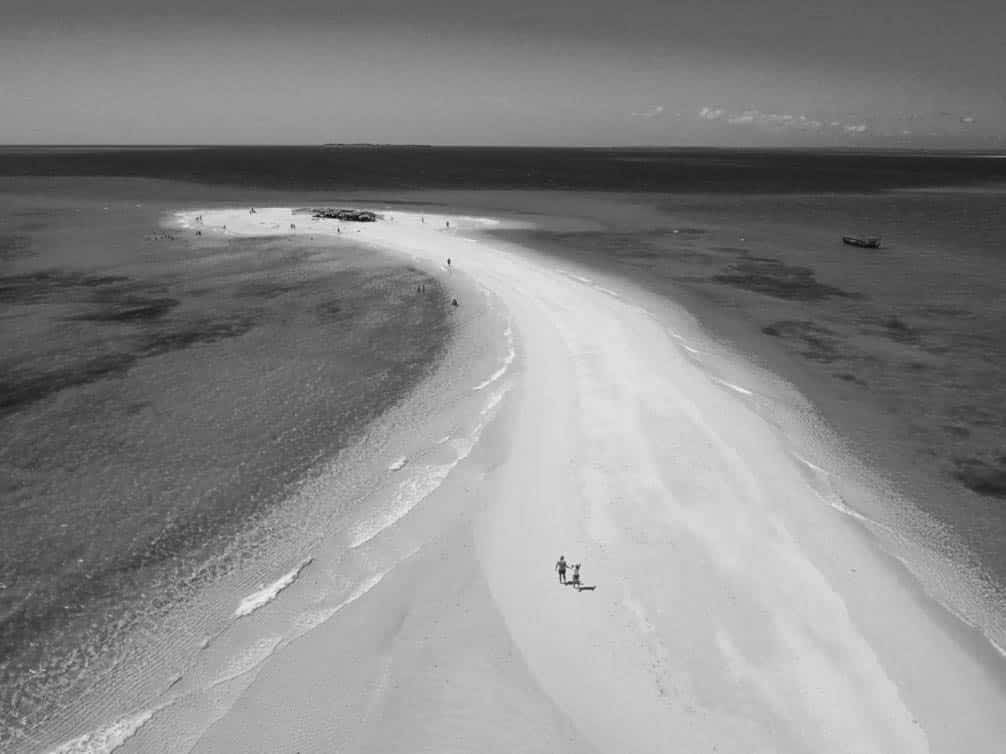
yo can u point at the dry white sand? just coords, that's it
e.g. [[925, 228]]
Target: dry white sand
[[735, 611]]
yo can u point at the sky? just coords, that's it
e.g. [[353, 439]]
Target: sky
[[789, 73]]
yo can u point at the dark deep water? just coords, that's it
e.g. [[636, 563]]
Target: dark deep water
[[157, 398], [399, 168]]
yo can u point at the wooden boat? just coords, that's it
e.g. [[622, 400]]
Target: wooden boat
[[872, 242]]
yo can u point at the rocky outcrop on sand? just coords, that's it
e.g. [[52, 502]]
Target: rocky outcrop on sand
[[352, 215]]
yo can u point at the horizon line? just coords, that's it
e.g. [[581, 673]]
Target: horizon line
[[609, 147]]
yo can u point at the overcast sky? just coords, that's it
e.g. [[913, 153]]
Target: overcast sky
[[915, 73]]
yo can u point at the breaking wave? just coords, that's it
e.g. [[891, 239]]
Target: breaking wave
[[267, 594], [107, 739], [422, 483], [507, 361]]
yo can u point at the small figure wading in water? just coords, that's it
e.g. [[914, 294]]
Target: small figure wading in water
[[560, 566]]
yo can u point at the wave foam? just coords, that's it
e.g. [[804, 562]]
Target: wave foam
[[312, 620], [410, 493], [108, 739], [808, 464], [249, 660], [267, 594], [732, 386], [507, 361], [398, 464], [425, 480]]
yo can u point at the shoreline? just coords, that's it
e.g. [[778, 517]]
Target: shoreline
[[209, 655], [903, 480], [749, 676]]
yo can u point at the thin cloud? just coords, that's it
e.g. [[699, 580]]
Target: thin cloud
[[778, 120], [655, 112], [757, 118]]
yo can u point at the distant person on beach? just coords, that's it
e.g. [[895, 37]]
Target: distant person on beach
[[576, 577], [447, 223], [560, 566], [454, 302]]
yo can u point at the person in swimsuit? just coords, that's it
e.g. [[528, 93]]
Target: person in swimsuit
[[560, 566], [576, 577]]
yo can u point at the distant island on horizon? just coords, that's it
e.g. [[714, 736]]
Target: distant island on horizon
[[371, 145]]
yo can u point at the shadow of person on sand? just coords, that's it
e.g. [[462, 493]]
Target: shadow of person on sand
[[576, 583]]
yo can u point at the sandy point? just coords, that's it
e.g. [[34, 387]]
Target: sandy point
[[726, 618]]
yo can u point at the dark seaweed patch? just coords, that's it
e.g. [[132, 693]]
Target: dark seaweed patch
[[812, 341], [204, 332], [14, 246], [898, 330], [132, 310], [772, 277], [266, 289], [332, 311], [42, 285], [850, 377], [981, 476], [18, 391], [93, 281]]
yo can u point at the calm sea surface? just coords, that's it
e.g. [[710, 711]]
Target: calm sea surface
[[157, 398]]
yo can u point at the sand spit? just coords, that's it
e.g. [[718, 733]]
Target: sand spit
[[735, 611]]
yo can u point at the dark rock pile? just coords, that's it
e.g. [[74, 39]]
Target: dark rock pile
[[352, 215]]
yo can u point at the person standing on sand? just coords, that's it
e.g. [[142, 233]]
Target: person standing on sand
[[576, 577], [560, 566]]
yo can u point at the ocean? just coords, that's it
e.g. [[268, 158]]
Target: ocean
[[163, 399], [159, 399]]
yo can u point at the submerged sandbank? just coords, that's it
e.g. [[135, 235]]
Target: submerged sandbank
[[736, 609]]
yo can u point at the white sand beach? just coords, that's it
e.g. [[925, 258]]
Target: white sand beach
[[736, 608]]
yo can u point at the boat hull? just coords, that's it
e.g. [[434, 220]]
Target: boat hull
[[865, 243]]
